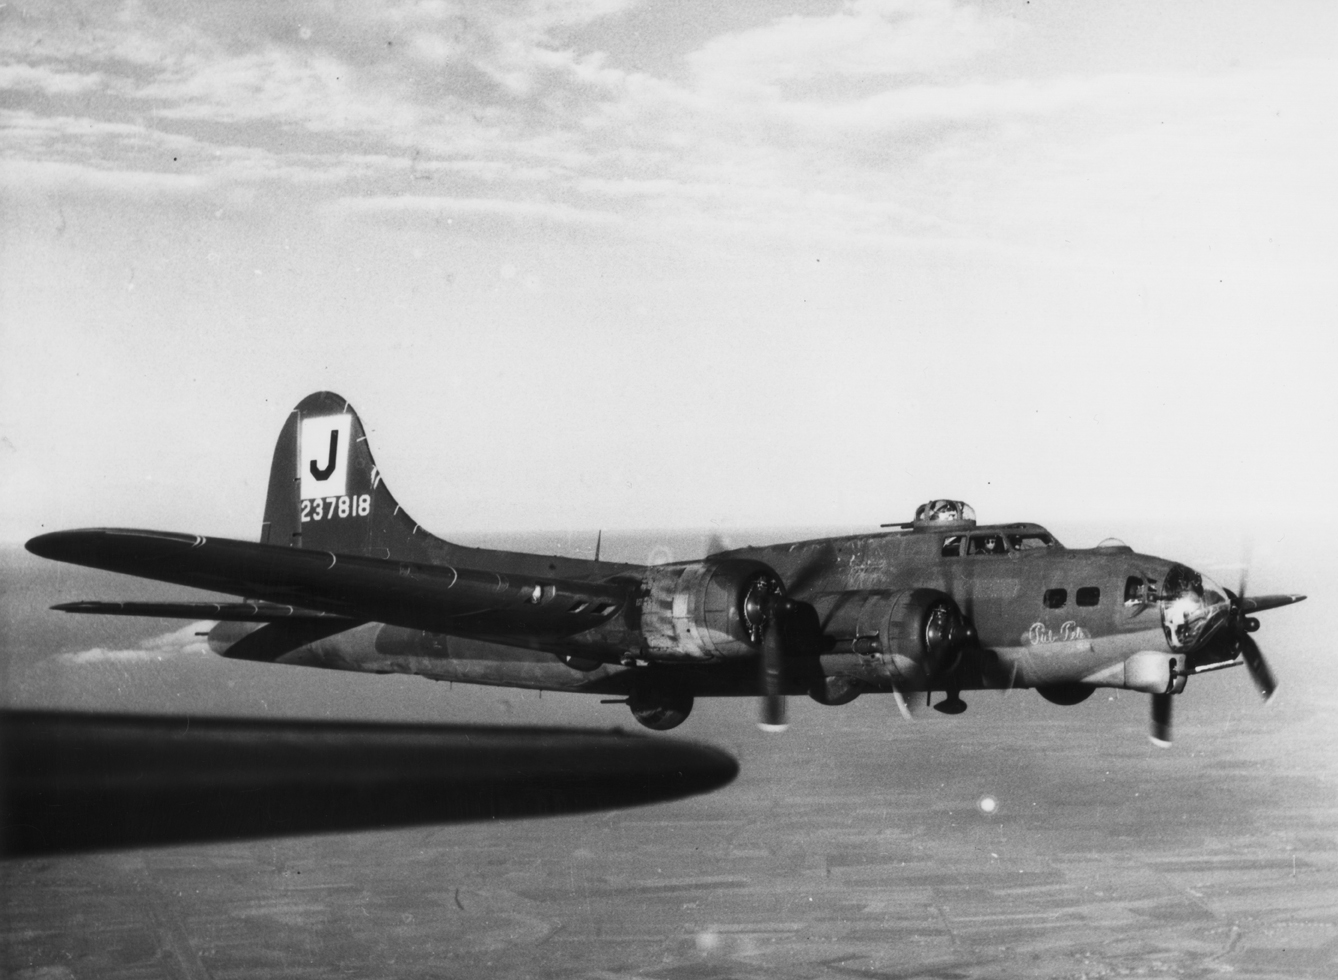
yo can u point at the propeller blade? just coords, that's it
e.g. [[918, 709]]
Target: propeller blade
[[800, 626], [772, 659], [789, 627], [1259, 603], [1260, 672], [902, 704], [823, 558], [1160, 733]]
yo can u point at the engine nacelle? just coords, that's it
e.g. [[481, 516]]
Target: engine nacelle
[[1150, 671], [1155, 673], [918, 634], [712, 609]]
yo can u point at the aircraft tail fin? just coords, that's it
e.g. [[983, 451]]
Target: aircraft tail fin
[[326, 493]]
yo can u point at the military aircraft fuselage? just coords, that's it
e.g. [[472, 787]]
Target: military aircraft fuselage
[[1031, 607], [1041, 615], [343, 578]]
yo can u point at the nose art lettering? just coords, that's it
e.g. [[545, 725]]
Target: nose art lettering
[[324, 473]]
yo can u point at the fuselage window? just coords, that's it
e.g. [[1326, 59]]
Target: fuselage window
[[952, 546], [1089, 595], [1056, 598], [986, 544], [1133, 591], [1029, 542]]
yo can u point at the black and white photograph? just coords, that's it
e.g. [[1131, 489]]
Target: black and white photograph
[[634, 490]]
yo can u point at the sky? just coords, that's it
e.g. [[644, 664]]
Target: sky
[[594, 263]]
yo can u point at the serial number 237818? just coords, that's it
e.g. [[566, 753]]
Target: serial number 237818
[[327, 508]]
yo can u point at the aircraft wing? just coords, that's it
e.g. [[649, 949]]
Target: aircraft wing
[[78, 782], [236, 612], [437, 598]]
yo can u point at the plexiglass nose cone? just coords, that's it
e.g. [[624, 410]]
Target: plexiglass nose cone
[[1193, 607]]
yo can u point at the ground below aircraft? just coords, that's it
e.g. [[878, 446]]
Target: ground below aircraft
[[343, 578]]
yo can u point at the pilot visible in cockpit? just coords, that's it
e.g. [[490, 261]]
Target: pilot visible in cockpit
[[986, 544]]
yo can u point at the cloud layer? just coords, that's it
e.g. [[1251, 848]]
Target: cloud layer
[[169, 646], [878, 121]]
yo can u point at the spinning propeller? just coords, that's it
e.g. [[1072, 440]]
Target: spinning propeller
[[1243, 645], [1235, 642], [781, 627], [1160, 733]]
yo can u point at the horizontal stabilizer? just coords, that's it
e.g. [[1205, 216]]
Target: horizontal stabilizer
[[436, 598], [78, 782], [236, 612]]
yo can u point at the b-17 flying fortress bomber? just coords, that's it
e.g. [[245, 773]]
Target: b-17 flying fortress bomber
[[344, 578]]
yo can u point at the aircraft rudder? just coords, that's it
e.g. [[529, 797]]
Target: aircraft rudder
[[325, 490]]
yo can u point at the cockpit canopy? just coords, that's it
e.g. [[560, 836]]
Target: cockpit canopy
[[944, 513]]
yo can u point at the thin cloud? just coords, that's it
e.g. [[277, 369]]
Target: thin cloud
[[848, 124], [27, 175], [866, 38], [76, 153], [434, 206], [49, 81], [179, 643]]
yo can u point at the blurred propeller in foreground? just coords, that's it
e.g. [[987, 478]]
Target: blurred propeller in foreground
[[1160, 733], [76, 782]]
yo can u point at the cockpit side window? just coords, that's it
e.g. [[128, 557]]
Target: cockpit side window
[[952, 545], [1030, 541], [1135, 593], [986, 544]]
